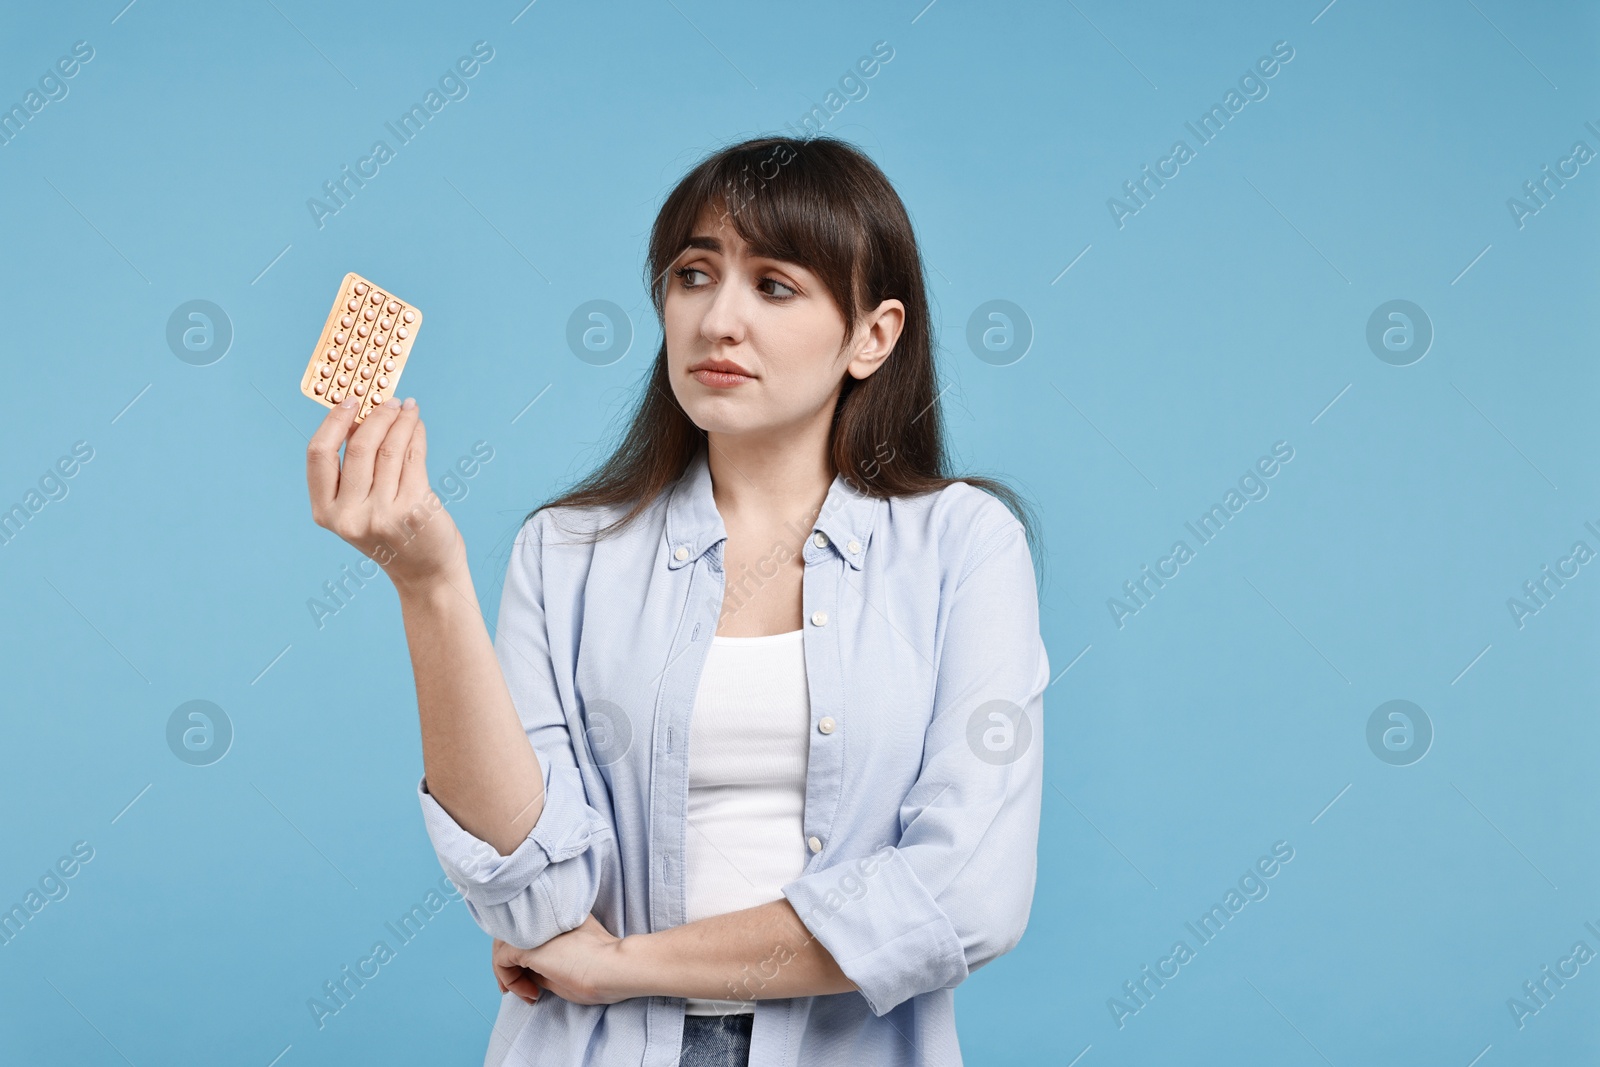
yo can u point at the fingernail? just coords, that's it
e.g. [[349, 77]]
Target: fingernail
[[348, 402], [410, 403], [391, 403]]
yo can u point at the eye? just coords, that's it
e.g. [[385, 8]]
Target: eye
[[788, 291], [684, 272]]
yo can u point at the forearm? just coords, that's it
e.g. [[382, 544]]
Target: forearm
[[758, 953], [479, 765]]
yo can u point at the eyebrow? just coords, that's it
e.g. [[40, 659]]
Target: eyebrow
[[711, 244]]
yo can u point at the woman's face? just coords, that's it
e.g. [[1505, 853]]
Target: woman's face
[[774, 324]]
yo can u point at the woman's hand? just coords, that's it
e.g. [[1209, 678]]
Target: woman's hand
[[580, 966], [380, 501], [512, 977]]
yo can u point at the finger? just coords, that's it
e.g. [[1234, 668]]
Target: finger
[[392, 455], [505, 974], [503, 960], [525, 985], [414, 472], [504, 987], [322, 454], [362, 449]]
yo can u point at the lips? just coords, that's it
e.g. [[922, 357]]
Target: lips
[[721, 366], [720, 374]]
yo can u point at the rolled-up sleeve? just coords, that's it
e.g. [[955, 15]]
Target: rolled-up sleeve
[[549, 883], [956, 890]]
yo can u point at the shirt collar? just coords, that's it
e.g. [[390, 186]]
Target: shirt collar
[[694, 524]]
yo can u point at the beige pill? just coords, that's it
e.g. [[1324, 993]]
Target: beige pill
[[384, 322], [339, 337], [388, 364], [327, 370], [363, 330], [344, 379], [366, 372], [376, 298], [394, 305], [383, 382], [402, 333], [354, 303], [355, 346], [320, 387], [410, 316], [331, 354], [361, 288], [346, 321], [395, 348], [369, 314], [360, 388], [372, 355], [349, 362]]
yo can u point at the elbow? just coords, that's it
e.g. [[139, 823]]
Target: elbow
[[528, 919], [550, 881], [993, 926], [1002, 933], [557, 900]]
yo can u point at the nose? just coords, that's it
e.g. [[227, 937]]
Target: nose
[[724, 319]]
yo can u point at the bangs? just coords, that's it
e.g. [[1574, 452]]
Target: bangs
[[785, 202]]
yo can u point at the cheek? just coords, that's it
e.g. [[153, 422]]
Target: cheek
[[678, 328], [799, 353], [810, 341]]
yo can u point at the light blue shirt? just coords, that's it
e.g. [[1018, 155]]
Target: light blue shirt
[[926, 673]]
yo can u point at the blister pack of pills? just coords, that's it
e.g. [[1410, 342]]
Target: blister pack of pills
[[363, 348]]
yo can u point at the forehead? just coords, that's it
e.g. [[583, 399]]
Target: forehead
[[713, 216], [715, 231]]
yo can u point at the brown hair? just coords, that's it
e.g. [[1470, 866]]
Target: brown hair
[[823, 204]]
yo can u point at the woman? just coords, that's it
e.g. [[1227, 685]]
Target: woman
[[751, 770]]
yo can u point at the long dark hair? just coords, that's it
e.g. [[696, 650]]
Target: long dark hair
[[823, 204]]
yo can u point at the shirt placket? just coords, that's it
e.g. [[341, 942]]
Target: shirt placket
[[669, 784], [669, 804], [669, 787], [825, 688]]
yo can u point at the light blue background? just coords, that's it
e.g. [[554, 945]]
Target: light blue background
[[1228, 314]]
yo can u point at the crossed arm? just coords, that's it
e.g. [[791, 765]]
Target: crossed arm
[[915, 916], [757, 953], [754, 954]]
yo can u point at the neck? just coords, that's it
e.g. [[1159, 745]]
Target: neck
[[767, 483]]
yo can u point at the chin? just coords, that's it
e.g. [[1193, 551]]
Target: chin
[[715, 421]]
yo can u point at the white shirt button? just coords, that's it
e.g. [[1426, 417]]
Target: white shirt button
[[819, 618], [854, 546], [681, 553], [815, 844], [825, 724], [820, 540]]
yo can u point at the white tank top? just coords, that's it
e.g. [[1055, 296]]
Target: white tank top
[[747, 781]]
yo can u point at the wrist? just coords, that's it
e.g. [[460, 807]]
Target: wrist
[[633, 971], [419, 564], [446, 583]]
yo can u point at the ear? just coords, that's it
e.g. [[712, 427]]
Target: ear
[[876, 337]]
